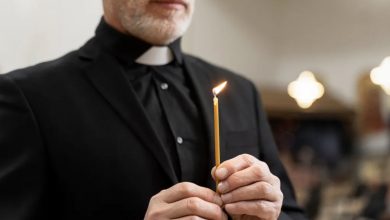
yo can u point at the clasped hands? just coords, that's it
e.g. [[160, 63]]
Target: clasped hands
[[247, 190]]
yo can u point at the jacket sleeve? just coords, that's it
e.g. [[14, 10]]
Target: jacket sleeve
[[22, 161], [269, 154]]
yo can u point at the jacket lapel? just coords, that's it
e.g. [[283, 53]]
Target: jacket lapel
[[106, 75]]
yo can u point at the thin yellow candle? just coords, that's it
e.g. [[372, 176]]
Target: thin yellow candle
[[217, 150]]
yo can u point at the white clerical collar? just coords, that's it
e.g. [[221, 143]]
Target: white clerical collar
[[156, 56]]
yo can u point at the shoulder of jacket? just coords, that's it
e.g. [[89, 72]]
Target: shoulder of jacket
[[46, 69]]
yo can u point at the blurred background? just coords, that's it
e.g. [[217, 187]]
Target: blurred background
[[319, 64]]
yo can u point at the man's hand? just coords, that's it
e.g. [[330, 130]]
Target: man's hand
[[248, 189], [185, 201]]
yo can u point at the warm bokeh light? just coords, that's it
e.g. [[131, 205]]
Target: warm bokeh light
[[219, 88], [306, 89], [380, 75]]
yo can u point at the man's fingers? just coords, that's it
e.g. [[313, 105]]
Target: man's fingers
[[186, 190], [248, 187], [257, 172], [260, 208], [186, 200], [256, 191], [233, 165], [195, 206]]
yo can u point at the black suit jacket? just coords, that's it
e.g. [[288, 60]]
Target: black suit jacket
[[75, 142]]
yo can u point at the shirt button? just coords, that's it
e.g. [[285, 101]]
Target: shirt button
[[179, 140], [164, 86]]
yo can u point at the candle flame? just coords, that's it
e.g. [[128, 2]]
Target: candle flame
[[219, 88]]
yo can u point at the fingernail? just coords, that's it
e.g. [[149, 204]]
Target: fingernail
[[226, 198], [221, 173], [222, 187]]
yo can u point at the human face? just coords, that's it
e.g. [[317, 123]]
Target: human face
[[158, 22]]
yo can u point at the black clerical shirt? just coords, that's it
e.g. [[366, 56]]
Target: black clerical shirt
[[166, 95]]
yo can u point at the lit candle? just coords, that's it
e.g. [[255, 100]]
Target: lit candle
[[217, 152]]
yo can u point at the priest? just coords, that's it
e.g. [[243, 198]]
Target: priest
[[122, 129]]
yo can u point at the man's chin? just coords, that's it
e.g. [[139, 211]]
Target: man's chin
[[166, 33], [158, 31]]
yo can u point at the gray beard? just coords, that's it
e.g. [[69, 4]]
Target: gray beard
[[154, 30]]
